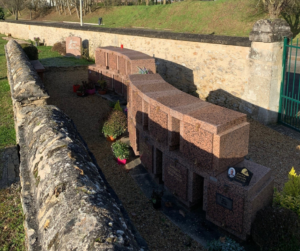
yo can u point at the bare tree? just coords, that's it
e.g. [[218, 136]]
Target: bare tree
[[276, 7]]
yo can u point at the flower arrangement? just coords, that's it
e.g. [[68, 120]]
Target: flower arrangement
[[115, 125], [143, 70], [36, 39], [120, 150]]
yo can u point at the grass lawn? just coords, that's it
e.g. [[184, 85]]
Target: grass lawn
[[7, 131], [11, 219], [53, 58], [222, 17]]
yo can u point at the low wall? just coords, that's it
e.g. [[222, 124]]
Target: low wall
[[67, 203], [229, 71]]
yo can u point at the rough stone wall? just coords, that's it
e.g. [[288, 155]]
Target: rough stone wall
[[27, 89], [227, 71], [199, 68], [67, 203]]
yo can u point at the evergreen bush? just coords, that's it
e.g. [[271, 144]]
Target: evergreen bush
[[120, 150], [115, 125]]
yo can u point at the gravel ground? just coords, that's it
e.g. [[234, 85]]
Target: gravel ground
[[274, 150], [87, 114], [267, 147]]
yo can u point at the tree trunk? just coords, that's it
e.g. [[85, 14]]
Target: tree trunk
[[165, 1], [147, 2], [77, 11], [69, 8], [16, 12], [30, 14]]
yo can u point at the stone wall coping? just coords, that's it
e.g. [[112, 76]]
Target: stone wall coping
[[213, 39], [157, 92], [129, 54], [26, 84]]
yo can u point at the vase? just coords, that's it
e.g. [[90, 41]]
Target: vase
[[91, 91], [110, 138], [121, 161], [102, 92], [75, 88]]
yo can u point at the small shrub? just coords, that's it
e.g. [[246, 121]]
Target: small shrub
[[276, 229], [290, 196], [120, 150], [115, 125], [117, 106], [60, 47], [31, 51], [224, 244], [102, 84]]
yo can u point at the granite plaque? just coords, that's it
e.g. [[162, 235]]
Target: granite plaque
[[224, 201], [73, 46], [240, 174]]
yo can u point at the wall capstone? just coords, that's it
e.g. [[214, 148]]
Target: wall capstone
[[270, 31], [27, 85]]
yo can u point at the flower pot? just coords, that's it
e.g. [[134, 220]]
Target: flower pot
[[80, 94], [102, 92], [121, 161], [110, 138], [75, 88], [91, 91]]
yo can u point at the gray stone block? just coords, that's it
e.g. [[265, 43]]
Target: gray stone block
[[270, 31]]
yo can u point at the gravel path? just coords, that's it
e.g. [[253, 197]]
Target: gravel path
[[274, 150], [267, 147]]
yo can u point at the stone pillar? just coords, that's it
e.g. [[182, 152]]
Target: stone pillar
[[263, 90]]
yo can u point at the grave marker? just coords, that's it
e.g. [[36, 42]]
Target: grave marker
[[73, 47]]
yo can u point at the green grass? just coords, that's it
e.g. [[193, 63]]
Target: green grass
[[222, 17], [53, 58], [12, 235], [7, 131]]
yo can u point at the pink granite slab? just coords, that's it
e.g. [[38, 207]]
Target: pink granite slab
[[175, 177], [73, 46]]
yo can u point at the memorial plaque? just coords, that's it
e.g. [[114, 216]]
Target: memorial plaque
[[240, 174], [224, 201], [73, 46]]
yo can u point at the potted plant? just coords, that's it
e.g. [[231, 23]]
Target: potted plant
[[80, 91], [121, 151], [89, 87], [37, 41], [115, 125], [143, 70], [102, 86]]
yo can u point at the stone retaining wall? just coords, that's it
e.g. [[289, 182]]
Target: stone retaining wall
[[232, 72], [67, 203]]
